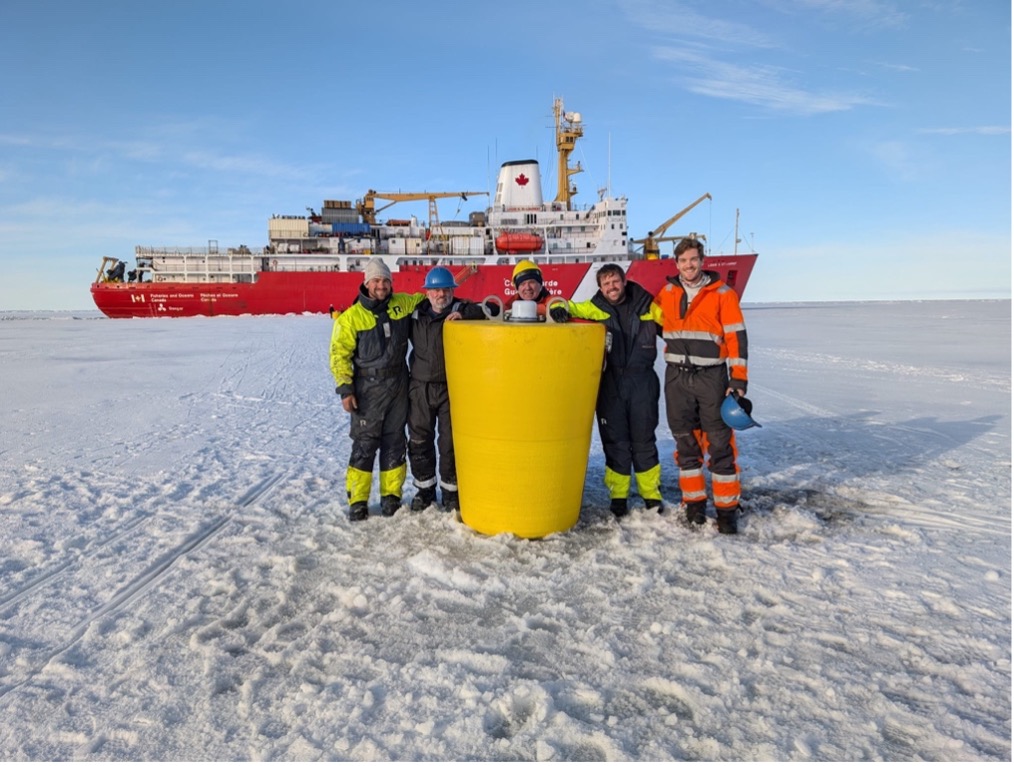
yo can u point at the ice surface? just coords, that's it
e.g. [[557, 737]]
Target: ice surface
[[179, 582]]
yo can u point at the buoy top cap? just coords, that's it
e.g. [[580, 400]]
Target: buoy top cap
[[525, 311]]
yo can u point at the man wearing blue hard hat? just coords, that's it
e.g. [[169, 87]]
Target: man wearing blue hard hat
[[429, 406]]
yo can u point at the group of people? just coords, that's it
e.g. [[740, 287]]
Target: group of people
[[116, 272], [383, 395], [697, 316]]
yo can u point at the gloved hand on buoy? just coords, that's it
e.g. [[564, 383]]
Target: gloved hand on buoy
[[493, 308], [559, 314]]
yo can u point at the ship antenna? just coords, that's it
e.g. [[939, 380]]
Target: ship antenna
[[609, 164], [568, 131], [735, 236]]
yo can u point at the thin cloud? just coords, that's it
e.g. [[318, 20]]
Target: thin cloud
[[759, 85], [702, 70], [143, 151], [868, 13], [170, 147], [897, 67], [73, 208], [677, 19], [982, 130], [246, 164], [903, 161], [8, 139]]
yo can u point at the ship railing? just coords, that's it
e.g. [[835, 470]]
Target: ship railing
[[145, 251], [565, 258], [200, 264]]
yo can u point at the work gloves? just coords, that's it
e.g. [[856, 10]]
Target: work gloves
[[559, 314]]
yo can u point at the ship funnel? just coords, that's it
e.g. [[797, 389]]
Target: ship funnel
[[519, 185]]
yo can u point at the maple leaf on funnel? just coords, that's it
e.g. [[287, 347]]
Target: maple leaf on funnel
[[521, 180]]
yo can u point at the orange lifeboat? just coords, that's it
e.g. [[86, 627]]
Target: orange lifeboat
[[513, 242]]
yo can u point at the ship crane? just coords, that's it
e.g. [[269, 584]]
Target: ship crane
[[655, 236], [366, 207]]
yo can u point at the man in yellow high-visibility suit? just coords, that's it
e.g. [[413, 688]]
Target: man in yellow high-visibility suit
[[369, 344]]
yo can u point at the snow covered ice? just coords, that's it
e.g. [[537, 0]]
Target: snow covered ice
[[179, 581]]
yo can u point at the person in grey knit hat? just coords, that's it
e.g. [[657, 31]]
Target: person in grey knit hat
[[369, 344], [376, 269]]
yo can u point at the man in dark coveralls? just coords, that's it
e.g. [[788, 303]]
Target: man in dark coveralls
[[429, 407], [627, 406]]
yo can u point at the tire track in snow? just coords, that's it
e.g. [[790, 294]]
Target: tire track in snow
[[76, 557], [807, 407], [897, 370], [887, 502], [140, 584], [149, 576]]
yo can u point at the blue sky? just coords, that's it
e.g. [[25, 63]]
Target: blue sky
[[866, 143]]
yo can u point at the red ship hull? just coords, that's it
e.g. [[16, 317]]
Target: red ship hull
[[317, 292]]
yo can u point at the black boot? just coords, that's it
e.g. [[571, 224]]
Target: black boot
[[727, 520], [654, 504], [695, 512], [618, 505], [424, 498], [358, 511], [389, 504], [451, 502]]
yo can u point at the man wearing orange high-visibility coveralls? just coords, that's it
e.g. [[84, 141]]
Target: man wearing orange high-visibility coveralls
[[705, 354]]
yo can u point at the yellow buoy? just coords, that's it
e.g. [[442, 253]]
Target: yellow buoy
[[522, 407]]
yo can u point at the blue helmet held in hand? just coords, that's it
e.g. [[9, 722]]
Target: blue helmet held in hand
[[736, 413], [438, 278]]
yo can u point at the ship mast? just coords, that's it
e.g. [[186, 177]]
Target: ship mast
[[568, 131]]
